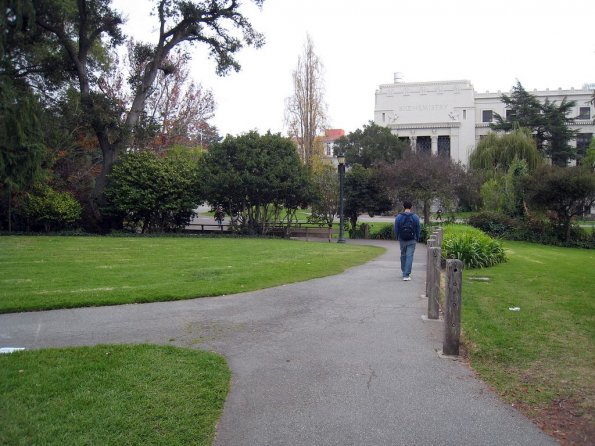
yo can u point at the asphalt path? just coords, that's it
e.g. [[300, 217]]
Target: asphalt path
[[342, 360]]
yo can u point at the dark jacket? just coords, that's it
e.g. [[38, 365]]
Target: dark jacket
[[416, 223]]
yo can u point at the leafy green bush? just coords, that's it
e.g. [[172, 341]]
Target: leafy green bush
[[540, 230], [360, 231], [384, 232], [492, 223], [473, 247], [153, 193], [51, 209]]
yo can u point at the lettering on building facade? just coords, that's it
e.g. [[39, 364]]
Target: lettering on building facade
[[427, 107]]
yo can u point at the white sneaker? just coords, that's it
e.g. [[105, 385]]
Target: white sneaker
[[406, 278]]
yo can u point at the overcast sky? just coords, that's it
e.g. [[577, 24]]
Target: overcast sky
[[542, 43]]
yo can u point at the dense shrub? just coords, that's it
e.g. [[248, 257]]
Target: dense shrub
[[473, 247], [492, 223], [360, 231], [534, 229], [152, 193], [384, 232], [51, 210], [547, 232]]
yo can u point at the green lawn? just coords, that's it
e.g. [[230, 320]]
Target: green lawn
[[111, 395], [38, 272], [540, 357]]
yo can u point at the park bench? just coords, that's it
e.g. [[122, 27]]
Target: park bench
[[199, 227], [312, 232]]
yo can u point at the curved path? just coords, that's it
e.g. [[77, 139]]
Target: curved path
[[342, 360]]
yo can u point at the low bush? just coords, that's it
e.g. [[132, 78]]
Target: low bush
[[473, 247], [547, 232], [492, 223], [48, 209], [384, 232], [360, 231], [534, 229]]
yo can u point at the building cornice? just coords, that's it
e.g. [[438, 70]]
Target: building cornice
[[424, 125], [430, 83], [544, 93]]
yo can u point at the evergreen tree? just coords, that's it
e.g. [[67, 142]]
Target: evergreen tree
[[21, 149], [548, 122]]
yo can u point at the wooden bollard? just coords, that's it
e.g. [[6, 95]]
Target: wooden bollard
[[452, 307], [438, 233], [430, 243], [434, 283]]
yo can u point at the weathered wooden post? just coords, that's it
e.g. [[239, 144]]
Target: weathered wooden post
[[434, 283], [452, 307], [430, 243], [439, 234]]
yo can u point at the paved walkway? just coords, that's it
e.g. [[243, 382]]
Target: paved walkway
[[342, 360]]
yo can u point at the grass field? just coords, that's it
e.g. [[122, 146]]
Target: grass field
[[64, 272], [112, 395], [540, 358]]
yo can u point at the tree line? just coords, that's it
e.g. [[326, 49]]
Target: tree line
[[64, 119], [104, 132]]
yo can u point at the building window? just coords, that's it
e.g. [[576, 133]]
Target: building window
[[584, 113], [464, 114], [582, 142], [510, 114], [487, 116], [444, 146], [383, 116], [424, 144]]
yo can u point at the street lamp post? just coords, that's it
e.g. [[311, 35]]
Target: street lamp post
[[341, 160]]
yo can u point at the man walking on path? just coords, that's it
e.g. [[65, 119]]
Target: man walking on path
[[407, 232]]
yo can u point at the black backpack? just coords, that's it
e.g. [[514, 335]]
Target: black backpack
[[407, 227]]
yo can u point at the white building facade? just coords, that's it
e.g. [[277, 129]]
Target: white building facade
[[450, 117]]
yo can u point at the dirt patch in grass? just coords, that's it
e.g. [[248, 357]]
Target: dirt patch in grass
[[564, 421]]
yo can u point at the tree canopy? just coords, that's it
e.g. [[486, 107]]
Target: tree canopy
[[56, 44], [258, 179], [496, 152], [371, 145], [549, 122], [365, 192], [566, 192], [424, 178]]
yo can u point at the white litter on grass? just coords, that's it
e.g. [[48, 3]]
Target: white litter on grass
[[514, 308], [5, 350], [480, 279]]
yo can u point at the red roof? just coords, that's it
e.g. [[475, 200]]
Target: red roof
[[331, 135]]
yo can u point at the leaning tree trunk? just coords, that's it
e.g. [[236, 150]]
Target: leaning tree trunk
[[111, 150]]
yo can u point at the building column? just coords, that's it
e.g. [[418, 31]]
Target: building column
[[434, 144], [413, 142]]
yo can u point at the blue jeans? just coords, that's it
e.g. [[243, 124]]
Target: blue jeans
[[407, 250]]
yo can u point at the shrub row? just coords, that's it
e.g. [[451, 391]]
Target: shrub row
[[532, 230]]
